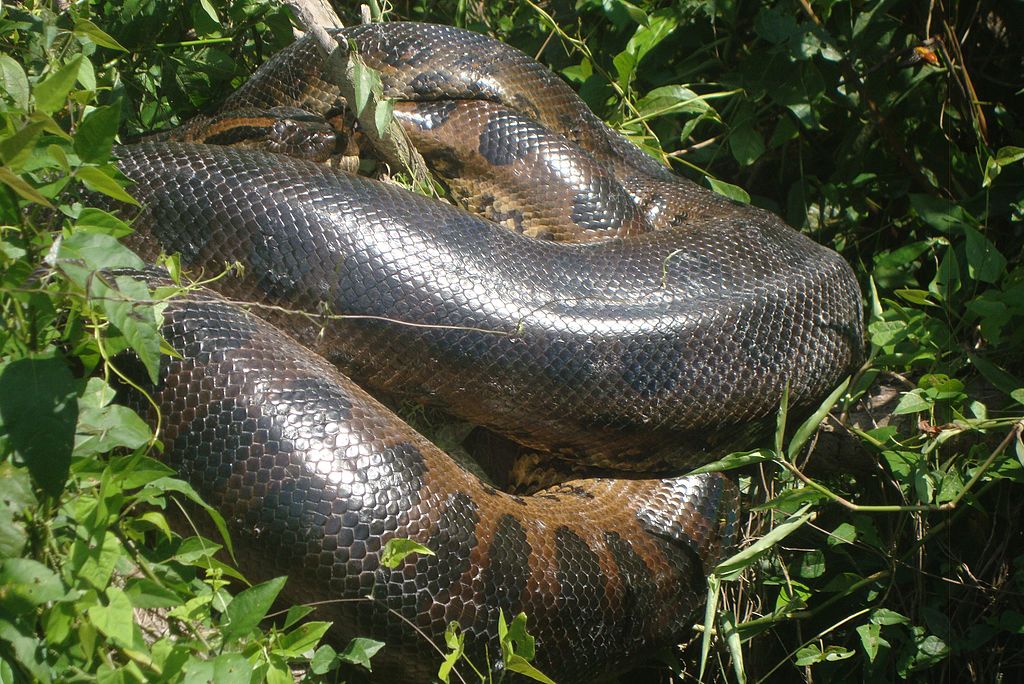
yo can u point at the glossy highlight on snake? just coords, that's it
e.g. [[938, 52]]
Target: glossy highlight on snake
[[649, 348]]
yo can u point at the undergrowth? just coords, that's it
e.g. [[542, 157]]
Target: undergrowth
[[887, 129]]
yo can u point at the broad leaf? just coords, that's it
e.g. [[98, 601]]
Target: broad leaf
[[247, 609], [38, 414]]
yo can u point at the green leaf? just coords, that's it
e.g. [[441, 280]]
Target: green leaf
[[365, 83], [776, 25], [324, 660], [780, 421], [671, 99], [729, 190], [891, 268], [49, 125], [710, 611], [87, 75], [137, 319], [731, 567], [455, 640], [247, 609], [84, 27], [884, 616], [94, 558], [195, 548], [812, 565], [227, 668], [844, 533], [145, 593], [16, 500], [395, 551], [514, 637], [382, 115], [99, 221], [732, 642], [912, 296], [996, 375], [809, 655], [941, 214], [994, 165], [278, 671], [210, 10], [303, 638], [115, 619], [746, 144], [810, 426], [946, 282], [359, 651], [14, 81], [934, 648], [171, 484], [154, 520], [95, 135], [104, 428], [635, 13], [27, 583], [924, 484], [15, 149], [912, 402], [57, 154], [80, 255], [38, 413], [734, 460], [653, 30], [25, 646], [984, 262], [885, 333], [296, 613], [98, 180], [516, 663], [52, 93], [790, 500], [23, 189]]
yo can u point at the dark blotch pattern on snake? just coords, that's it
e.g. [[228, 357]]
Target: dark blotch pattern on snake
[[657, 348]]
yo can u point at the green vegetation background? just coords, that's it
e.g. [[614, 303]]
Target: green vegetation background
[[889, 129]]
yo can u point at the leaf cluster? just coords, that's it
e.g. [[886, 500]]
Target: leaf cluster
[[88, 554]]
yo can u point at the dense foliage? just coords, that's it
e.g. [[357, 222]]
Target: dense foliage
[[889, 129]]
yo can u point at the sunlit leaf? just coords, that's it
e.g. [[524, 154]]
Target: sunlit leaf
[[249, 607], [51, 94], [395, 551], [85, 27]]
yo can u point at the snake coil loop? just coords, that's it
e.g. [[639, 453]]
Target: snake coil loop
[[652, 349]]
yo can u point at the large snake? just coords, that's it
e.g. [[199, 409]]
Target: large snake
[[652, 349]]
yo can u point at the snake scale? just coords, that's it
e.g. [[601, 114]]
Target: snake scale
[[647, 350]]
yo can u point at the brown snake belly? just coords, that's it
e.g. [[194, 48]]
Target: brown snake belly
[[647, 350]]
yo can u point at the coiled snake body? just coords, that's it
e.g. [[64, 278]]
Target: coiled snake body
[[634, 353]]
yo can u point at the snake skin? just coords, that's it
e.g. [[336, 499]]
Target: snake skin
[[638, 353], [649, 351], [427, 62], [507, 168], [314, 476]]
